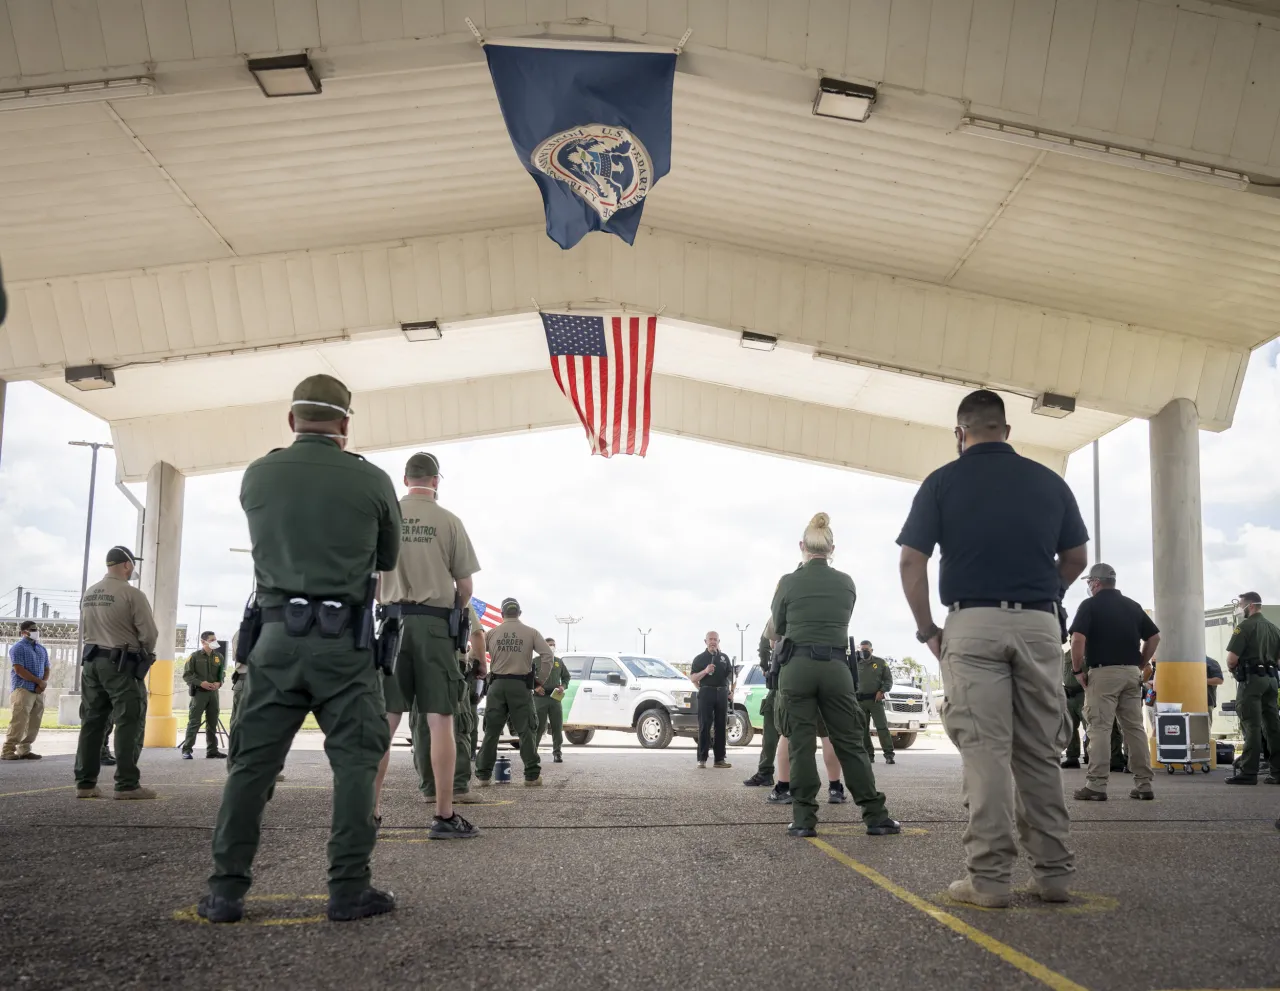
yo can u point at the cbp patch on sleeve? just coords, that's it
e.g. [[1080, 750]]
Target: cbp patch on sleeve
[[1236, 630]]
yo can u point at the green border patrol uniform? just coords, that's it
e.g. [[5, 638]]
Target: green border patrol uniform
[[464, 728], [119, 635], [202, 667], [511, 646], [811, 608], [549, 709], [322, 521], [874, 676], [1256, 642]]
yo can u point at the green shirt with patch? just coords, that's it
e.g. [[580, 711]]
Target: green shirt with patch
[[813, 604], [321, 521], [1255, 641], [873, 675]]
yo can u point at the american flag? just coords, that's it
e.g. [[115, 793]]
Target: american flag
[[490, 616], [604, 366]]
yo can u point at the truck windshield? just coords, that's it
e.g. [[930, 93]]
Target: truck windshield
[[649, 667]]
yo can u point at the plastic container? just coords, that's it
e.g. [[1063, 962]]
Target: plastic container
[[502, 771]]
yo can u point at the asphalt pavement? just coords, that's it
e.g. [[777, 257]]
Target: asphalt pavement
[[630, 869]]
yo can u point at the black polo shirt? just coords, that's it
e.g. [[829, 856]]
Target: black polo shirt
[[1000, 520], [1113, 627], [720, 677]]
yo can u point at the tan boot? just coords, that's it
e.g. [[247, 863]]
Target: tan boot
[[134, 795], [533, 782], [1051, 890], [963, 891], [88, 792]]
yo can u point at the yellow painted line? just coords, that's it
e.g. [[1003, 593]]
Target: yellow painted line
[[1082, 903], [189, 914], [1007, 953], [36, 791]]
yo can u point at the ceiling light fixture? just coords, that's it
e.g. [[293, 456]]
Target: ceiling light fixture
[[422, 330], [758, 342], [1099, 151], [844, 101], [90, 378], [285, 75], [56, 96], [1054, 405]]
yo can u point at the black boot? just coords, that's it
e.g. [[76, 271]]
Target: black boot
[[215, 908], [369, 902], [759, 780]]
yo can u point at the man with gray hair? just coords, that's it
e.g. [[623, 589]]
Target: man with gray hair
[[1115, 636]]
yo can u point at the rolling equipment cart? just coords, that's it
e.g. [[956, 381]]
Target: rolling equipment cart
[[1183, 738]]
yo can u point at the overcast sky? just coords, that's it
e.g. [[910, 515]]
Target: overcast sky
[[692, 537]]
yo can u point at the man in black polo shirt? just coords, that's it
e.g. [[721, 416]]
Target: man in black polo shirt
[[1117, 639], [712, 672], [1012, 539]]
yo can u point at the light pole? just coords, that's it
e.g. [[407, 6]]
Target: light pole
[[202, 606], [644, 639], [88, 533], [742, 632], [569, 622], [1097, 508]]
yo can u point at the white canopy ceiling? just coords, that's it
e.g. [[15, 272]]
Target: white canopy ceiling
[[259, 240]]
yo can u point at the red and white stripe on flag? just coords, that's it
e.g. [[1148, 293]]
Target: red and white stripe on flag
[[611, 393]]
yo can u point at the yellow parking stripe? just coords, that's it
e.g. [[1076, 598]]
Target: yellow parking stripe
[[989, 943]]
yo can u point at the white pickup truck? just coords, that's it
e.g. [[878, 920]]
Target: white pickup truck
[[627, 692]]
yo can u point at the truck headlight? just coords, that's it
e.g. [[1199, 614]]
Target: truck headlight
[[682, 698]]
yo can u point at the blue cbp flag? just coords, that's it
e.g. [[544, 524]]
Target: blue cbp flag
[[593, 128]]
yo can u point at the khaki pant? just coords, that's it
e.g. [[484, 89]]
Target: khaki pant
[[24, 722], [1114, 693], [1007, 715]]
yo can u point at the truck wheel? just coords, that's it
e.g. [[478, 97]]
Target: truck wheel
[[579, 737], [738, 730], [901, 741], [653, 729]]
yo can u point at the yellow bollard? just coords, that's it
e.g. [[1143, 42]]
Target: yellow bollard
[[162, 725], [1185, 682]]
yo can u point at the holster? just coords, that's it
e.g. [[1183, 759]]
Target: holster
[[250, 630], [782, 651], [390, 633], [460, 626], [1061, 612], [531, 681]]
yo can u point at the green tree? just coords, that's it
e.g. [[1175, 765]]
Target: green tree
[[911, 670]]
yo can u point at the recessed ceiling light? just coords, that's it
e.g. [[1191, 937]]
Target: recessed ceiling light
[[285, 75]]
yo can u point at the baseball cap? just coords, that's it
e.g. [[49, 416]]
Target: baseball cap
[[509, 604], [320, 398], [120, 554], [1101, 573], [422, 465]]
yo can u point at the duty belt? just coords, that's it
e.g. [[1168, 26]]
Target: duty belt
[[867, 698], [821, 653], [1047, 605], [94, 652], [417, 609], [511, 677]]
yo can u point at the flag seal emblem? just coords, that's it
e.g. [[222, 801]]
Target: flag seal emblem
[[607, 167]]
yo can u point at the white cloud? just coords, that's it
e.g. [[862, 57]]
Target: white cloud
[[693, 537]]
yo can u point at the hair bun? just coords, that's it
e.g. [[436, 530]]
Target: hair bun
[[820, 521]]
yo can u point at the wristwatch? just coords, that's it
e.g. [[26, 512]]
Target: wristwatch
[[924, 636]]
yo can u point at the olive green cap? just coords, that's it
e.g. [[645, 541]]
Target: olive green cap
[[321, 397], [422, 465]]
